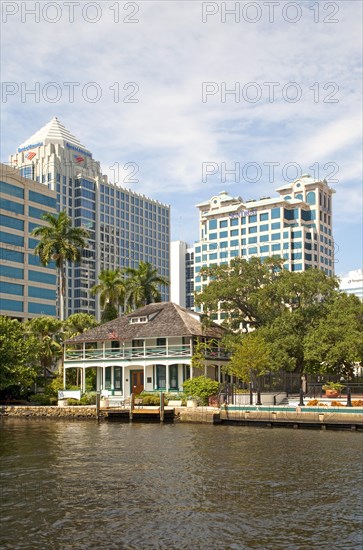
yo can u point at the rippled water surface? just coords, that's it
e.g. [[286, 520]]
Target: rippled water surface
[[80, 485]]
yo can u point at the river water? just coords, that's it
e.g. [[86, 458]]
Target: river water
[[79, 485]]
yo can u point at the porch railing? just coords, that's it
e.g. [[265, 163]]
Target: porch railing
[[128, 353], [138, 353]]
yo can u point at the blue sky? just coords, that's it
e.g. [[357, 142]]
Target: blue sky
[[150, 87]]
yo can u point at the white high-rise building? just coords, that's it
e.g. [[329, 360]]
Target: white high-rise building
[[124, 227], [353, 283], [295, 226]]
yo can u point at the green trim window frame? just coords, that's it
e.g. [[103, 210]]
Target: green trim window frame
[[160, 377], [108, 378], [117, 378], [173, 377]]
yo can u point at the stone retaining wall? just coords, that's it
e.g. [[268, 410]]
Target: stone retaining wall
[[88, 411]]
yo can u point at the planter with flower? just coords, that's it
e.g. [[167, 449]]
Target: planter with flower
[[333, 389]]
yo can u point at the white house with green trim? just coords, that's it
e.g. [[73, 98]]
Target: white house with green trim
[[149, 349]]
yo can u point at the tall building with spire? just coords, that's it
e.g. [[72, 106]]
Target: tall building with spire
[[124, 227]]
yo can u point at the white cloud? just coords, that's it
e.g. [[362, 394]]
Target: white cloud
[[170, 132]]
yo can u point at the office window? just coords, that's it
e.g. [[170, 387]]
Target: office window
[[11, 305], [11, 190], [43, 293], [11, 255], [264, 227], [10, 238], [223, 223], [234, 221], [275, 225], [42, 199], [252, 229], [36, 212], [275, 213], [11, 272], [14, 223], [264, 217], [12, 206], [212, 224], [12, 288]]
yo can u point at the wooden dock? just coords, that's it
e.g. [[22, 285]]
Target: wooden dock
[[139, 414]]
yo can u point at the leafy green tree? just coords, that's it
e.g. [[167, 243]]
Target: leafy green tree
[[305, 297], [237, 289], [335, 344], [47, 330], [251, 357], [112, 291], [19, 365], [143, 285], [61, 242]]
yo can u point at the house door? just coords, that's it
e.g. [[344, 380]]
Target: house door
[[137, 381]]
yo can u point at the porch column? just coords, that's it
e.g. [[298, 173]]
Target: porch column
[[191, 371], [103, 378], [64, 377], [123, 381], [83, 381], [219, 373], [167, 383], [84, 350]]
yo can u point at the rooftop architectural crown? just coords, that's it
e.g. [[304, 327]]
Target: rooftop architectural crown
[[52, 132]]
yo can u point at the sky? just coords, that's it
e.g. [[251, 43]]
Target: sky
[[181, 100]]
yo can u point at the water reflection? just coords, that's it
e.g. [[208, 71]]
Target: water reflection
[[75, 485]]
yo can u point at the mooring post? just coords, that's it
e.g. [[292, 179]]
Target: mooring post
[[161, 407], [98, 397], [132, 405], [349, 397], [301, 402]]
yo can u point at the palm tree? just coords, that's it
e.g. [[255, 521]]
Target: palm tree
[[142, 285], [112, 291], [61, 242]]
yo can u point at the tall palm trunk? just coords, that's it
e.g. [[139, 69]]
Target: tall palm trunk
[[62, 290]]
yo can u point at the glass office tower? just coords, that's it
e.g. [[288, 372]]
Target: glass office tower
[[124, 227]]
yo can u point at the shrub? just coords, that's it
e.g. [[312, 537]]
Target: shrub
[[150, 399], [73, 402], [336, 404], [357, 403], [312, 403], [88, 398], [40, 399], [200, 387]]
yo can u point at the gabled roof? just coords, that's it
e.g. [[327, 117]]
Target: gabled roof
[[164, 319], [52, 132]]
